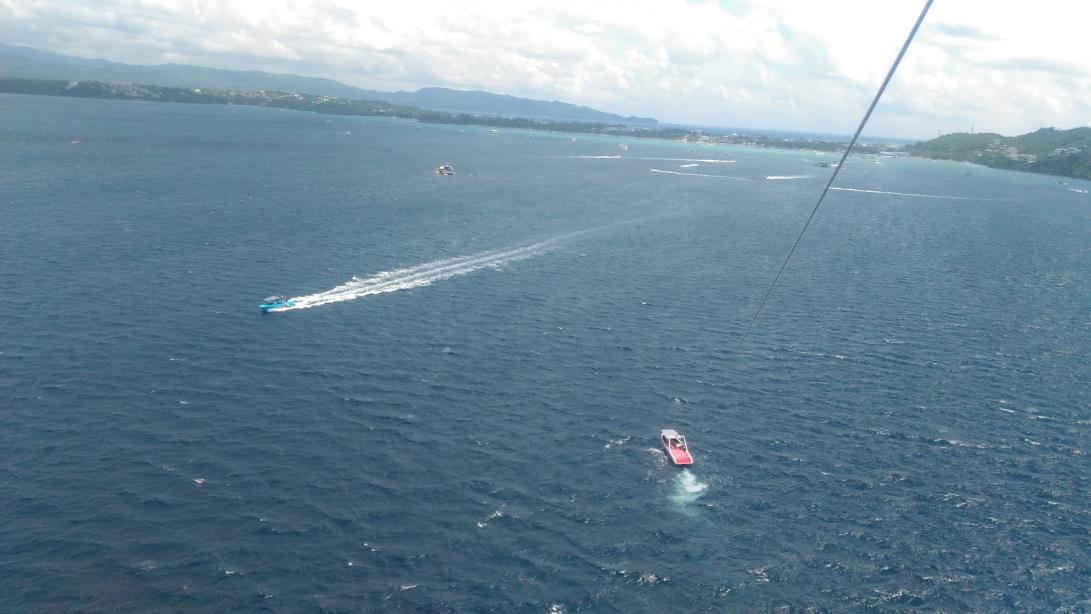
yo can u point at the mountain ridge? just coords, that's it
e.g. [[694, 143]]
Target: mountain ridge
[[30, 63]]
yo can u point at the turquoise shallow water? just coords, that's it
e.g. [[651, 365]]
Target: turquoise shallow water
[[471, 426]]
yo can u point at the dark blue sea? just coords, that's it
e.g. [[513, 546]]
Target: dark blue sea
[[461, 412]]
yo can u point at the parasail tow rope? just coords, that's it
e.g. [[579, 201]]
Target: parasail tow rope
[[837, 169]]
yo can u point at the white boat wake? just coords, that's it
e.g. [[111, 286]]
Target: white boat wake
[[619, 157], [705, 160], [686, 488], [430, 272], [912, 194], [784, 177], [656, 170]]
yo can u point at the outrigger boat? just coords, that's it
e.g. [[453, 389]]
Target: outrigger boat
[[674, 444], [275, 302]]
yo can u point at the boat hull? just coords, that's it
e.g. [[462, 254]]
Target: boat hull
[[679, 456], [267, 307]]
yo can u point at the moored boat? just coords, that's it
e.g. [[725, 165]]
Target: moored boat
[[674, 444]]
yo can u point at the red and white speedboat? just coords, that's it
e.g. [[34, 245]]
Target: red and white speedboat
[[674, 444]]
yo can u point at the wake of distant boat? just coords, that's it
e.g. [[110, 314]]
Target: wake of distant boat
[[705, 160], [618, 157], [784, 177], [656, 170], [912, 194]]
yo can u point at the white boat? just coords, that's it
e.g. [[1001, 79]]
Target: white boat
[[445, 169]]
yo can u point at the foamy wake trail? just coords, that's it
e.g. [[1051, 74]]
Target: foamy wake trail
[[656, 170], [782, 177], [415, 277], [943, 196], [618, 157], [686, 488], [431, 272], [705, 160]]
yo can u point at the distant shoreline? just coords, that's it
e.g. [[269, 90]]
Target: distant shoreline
[[1046, 151], [329, 105]]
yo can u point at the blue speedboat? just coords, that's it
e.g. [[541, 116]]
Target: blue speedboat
[[275, 302]]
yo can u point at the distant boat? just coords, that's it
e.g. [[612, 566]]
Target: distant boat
[[674, 444], [494, 131], [76, 141], [275, 302], [825, 164], [623, 147], [445, 169]]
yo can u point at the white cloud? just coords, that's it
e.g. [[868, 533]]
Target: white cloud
[[783, 64]]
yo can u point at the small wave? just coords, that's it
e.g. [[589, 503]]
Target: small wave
[[656, 170], [618, 442], [1077, 190], [942, 196], [686, 488], [688, 165], [783, 177], [597, 157]]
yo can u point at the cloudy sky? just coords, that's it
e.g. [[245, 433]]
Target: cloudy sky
[[1000, 66]]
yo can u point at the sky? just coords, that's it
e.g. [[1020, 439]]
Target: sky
[[797, 65]]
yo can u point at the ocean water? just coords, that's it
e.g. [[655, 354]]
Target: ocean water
[[462, 412]]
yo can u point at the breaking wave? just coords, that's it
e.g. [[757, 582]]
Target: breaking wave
[[656, 170]]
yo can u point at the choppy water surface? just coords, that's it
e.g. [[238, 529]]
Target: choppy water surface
[[461, 413]]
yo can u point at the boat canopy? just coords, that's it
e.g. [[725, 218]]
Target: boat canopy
[[273, 299]]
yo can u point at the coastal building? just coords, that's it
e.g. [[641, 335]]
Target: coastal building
[[1065, 151]]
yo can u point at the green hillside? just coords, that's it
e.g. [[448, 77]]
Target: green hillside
[[1054, 152]]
